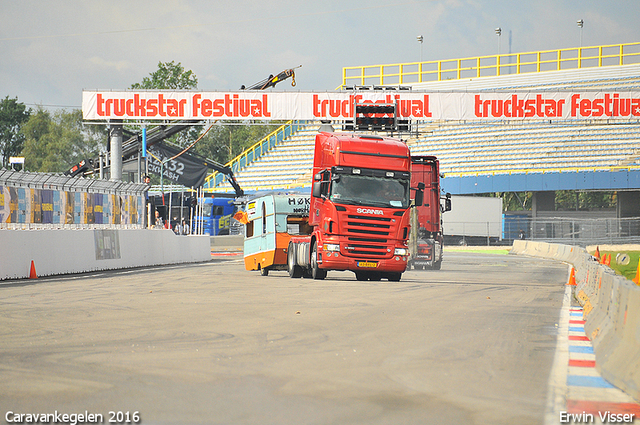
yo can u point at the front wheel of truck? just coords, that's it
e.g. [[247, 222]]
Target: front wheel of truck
[[316, 272]]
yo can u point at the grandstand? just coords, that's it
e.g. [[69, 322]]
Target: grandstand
[[541, 146], [486, 148]]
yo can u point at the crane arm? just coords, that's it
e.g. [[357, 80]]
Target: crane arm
[[272, 80]]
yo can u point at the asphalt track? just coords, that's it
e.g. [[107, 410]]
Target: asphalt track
[[212, 343]]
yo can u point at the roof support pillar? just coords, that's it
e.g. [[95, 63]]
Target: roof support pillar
[[115, 136]]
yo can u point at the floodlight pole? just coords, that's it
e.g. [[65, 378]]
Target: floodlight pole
[[580, 23]]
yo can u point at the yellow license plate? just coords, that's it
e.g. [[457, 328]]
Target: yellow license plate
[[368, 264]]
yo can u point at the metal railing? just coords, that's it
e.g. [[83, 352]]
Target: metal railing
[[252, 153], [492, 65], [31, 201], [576, 231]]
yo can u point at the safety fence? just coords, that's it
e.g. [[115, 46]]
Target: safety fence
[[573, 231], [611, 308], [492, 65], [54, 201]]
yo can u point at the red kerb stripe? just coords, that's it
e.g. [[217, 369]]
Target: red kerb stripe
[[582, 363]]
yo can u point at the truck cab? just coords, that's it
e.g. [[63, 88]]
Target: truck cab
[[426, 239], [215, 216], [360, 209]]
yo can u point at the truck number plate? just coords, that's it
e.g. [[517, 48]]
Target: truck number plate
[[369, 264]]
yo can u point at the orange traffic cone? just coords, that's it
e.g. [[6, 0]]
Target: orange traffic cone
[[32, 272], [572, 277], [597, 253], [608, 263], [636, 279]]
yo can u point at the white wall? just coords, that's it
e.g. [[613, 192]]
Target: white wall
[[473, 216], [74, 251]]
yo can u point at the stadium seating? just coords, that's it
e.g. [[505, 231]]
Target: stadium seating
[[488, 147]]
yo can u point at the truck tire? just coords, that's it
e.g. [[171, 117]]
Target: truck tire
[[394, 277], [316, 272], [361, 276], [295, 271], [264, 272], [437, 265]]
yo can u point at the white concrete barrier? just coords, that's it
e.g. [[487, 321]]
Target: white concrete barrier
[[611, 309], [75, 251]]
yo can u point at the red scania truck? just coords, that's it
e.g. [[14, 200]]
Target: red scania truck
[[359, 210], [426, 240]]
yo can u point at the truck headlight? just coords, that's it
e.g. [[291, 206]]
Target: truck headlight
[[332, 247], [401, 251]]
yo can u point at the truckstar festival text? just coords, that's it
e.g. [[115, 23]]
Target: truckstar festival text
[[181, 105]]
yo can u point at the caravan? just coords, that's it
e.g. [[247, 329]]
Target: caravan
[[271, 221]]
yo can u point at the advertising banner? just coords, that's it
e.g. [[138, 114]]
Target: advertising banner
[[338, 106], [184, 170]]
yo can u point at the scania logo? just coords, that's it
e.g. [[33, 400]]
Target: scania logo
[[369, 211]]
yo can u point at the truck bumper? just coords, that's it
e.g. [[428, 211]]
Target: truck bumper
[[337, 261], [419, 261]]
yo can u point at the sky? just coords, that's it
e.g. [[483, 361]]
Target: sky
[[50, 50]]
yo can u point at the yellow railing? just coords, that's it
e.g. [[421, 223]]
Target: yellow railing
[[494, 65], [251, 154]]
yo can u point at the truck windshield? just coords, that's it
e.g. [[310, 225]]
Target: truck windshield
[[371, 191], [206, 210]]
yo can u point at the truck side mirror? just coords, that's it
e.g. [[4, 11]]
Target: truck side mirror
[[419, 198], [447, 204], [317, 189]]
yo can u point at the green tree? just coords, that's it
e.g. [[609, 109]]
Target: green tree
[[570, 200], [13, 115], [169, 75], [516, 201], [55, 142], [226, 141]]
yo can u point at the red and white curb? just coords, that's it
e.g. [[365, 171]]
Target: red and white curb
[[577, 392]]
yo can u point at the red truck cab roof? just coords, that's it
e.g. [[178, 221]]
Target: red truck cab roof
[[359, 150]]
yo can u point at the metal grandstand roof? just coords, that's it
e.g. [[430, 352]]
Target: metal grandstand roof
[[62, 182]]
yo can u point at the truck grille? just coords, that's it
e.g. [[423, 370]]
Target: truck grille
[[367, 236]]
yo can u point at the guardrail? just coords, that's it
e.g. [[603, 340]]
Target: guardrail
[[45, 201], [611, 309], [492, 65], [252, 153]]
